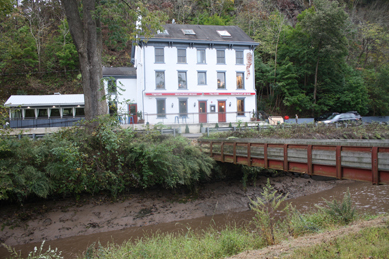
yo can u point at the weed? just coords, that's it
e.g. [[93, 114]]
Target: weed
[[265, 208], [341, 212], [37, 253]]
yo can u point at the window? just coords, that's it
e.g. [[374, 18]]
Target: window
[[221, 80], [29, 113], [42, 113], [181, 80], [113, 108], [81, 112], [239, 80], [224, 33], [201, 56], [181, 55], [112, 87], [240, 106], [16, 114], [188, 32], [54, 113], [239, 57], [160, 80], [159, 55], [221, 59], [183, 107], [161, 111], [201, 78], [67, 112]]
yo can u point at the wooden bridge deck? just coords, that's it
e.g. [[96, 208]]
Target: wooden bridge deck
[[363, 160]]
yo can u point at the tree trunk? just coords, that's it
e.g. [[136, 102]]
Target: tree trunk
[[86, 36]]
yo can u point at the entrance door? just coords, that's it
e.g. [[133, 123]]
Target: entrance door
[[133, 114], [202, 111], [222, 111]]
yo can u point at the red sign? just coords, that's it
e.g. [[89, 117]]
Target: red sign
[[160, 94], [286, 117], [224, 93], [187, 93]]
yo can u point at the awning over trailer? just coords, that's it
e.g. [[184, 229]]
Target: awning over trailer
[[45, 100]]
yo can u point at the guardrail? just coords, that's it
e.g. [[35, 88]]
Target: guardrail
[[341, 159]]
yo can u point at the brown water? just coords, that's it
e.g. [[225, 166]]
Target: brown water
[[367, 198]]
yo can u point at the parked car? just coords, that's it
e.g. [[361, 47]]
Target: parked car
[[356, 114], [341, 118], [325, 116]]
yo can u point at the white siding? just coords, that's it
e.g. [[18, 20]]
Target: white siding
[[171, 68]]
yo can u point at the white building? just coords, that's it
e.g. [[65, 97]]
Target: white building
[[190, 73]]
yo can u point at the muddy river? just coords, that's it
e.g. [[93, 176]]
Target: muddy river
[[367, 198]]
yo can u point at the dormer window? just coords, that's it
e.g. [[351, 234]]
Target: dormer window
[[165, 32], [188, 32], [224, 33]]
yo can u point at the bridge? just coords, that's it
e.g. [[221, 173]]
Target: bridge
[[363, 160]]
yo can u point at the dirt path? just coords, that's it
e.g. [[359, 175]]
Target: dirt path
[[287, 248], [59, 219]]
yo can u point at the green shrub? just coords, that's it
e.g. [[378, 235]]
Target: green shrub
[[230, 125], [340, 212], [107, 159], [217, 125], [265, 209], [186, 129]]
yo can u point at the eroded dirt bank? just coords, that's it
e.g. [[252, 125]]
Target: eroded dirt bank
[[66, 218]]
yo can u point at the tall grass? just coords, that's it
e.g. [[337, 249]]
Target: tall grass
[[368, 243], [207, 244]]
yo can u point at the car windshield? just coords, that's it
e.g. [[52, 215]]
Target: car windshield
[[331, 117]]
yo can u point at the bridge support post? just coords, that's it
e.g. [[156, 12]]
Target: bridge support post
[[234, 152], [222, 151], [374, 165], [249, 154], [309, 159], [286, 164], [339, 162]]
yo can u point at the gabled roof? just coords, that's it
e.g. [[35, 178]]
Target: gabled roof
[[45, 100], [204, 33]]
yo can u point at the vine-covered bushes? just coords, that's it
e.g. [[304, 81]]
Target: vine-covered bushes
[[107, 159]]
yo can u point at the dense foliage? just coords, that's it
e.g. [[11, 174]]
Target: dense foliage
[[72, 162]]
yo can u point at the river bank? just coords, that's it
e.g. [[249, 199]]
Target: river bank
[[89, 215]]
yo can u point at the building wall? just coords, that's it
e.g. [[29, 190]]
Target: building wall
[[146, 80]]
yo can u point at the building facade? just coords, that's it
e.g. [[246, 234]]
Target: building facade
[[192, 74]]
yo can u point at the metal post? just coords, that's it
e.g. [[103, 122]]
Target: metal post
[[174, 132], [235, 152], [309, 159], [374, 165], [339, 162], [249, 154], [265, 155], [207, 131]]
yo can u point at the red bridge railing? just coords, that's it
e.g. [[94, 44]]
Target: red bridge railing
[[358, 160]]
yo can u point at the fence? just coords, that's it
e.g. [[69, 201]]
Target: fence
[[44, 123], [196, 117]]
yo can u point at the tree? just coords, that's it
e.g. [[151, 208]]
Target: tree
[[325, 24], [6, 7], [87, 19]]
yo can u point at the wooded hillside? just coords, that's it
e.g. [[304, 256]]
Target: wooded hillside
[[314, 56]]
